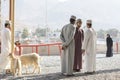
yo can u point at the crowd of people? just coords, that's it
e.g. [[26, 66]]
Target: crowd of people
[[77, 43]]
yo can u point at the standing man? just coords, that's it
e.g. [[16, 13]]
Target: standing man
[[79, 36], [109, 43], [89, 47], [68, 46], [5, 45]]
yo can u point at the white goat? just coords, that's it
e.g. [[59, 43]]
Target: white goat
[[30, 59]]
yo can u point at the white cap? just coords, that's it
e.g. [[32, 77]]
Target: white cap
[[73, 17], [89, 21], [7, 21]]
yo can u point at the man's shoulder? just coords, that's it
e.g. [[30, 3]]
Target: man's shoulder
[[69, 25], [82, 30], [66, 25], [7, 30], [88, 31]]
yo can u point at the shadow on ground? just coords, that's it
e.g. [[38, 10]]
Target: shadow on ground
[[52, 76]]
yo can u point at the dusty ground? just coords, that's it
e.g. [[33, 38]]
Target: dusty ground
[[107, 69]]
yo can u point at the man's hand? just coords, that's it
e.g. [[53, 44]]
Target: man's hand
[[83, 52], [64, 47]]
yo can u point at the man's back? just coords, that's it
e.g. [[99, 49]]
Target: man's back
[[5, 41], [67, 30]]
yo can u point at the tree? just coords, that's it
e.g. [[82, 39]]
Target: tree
[[25, 33], [57, 30], [113, 32], [101, 34], [40, 32], [37, 32]]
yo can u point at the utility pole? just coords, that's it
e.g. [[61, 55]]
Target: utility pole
[[0, 14]]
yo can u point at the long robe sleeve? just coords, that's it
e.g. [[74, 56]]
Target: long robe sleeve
[[62, 37], [8, 35], [86, 39], [82, 35]]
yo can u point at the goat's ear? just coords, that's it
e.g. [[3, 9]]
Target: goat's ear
[[10, 54]]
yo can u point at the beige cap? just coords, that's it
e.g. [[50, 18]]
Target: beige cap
[[73, 17], [79, 20], [89, 21]]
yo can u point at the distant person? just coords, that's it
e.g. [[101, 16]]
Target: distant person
[[79, 36], [89, 47], [68, 46], [109, 43], [5, 46]]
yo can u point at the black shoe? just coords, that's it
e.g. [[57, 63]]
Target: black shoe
[[76, 70], [93, 71], [63, 74], [89, 72], [69, 75]]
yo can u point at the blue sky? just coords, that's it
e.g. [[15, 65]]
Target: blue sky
[[32, 13]]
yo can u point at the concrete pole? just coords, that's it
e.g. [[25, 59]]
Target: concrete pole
[[11, 18], [0, 15]]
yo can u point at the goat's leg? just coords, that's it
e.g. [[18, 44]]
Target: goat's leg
[[26, 69], [34, 69], [38, 69], [14, 72], [29, 68], [19, 71]]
